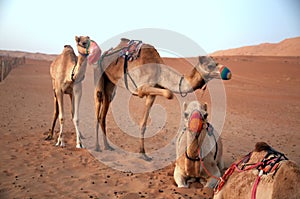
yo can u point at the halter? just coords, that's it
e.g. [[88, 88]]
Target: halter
[[86, 48], [86, 54]]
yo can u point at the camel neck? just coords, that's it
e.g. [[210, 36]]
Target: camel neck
[[79, 70], [193, 149], [177, 83]]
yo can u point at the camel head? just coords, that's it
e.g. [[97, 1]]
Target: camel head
[[209, 69], [89, 48], [195, 121]]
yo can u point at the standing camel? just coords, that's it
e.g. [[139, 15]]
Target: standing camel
[[67, 72], [147, 76]]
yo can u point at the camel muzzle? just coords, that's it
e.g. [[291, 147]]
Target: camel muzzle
[[225, 73], [195, 123]]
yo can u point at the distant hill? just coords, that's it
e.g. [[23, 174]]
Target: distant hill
[[28, 55], [287, 47]]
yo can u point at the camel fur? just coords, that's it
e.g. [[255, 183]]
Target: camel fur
[[67, 72], [283, 183], [195, 149], [150, 78]]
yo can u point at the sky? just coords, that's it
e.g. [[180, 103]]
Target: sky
[[46, 26]]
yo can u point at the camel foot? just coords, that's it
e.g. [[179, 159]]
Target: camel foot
[[49, 137], [79, 146], [183, 186], [145, 157], [97, 148], [109, 148], [60, 143]]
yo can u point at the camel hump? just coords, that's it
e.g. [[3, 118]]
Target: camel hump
[[68, 46], [68, 50], [262, 146], [124, 40]]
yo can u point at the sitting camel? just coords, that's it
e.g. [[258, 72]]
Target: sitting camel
[[264, 173], [67, 73], [146, 75], [199, 152]]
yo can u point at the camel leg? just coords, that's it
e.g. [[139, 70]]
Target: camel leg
[[149, 102], [180, 180], [150, 90], [59, 97], [72, 105], [55, 116], [77, 92], [103, 113], [214, 170], [98, 101]]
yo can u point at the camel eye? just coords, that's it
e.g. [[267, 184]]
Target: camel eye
[[84, 43], [211, 67]]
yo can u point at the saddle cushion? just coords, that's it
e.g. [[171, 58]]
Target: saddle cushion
[[94, 53]]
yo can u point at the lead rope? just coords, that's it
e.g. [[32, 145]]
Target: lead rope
[[208, 173], [255, 185]]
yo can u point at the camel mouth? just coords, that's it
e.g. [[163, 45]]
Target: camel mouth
[[195, 123], [94, 52], [225, 73]]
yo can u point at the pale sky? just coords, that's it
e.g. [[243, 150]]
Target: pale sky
[[47, 25]]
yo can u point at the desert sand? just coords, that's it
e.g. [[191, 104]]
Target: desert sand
[[262, 104]]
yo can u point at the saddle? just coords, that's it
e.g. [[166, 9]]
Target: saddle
[[131, 48], [268, 165]]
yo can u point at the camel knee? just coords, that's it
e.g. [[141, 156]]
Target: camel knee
[[99, 95], [61, 120], [168, 94]]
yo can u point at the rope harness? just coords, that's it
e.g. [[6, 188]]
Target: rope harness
[[210, 132], [269, 164], [129, 53]]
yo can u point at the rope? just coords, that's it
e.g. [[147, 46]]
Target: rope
[[255, 185], [180, 83], [208, 173]]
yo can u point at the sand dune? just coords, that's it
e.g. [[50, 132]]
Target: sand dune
[[287, 47]]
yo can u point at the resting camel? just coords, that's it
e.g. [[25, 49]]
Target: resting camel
[[199, 152], [262, 174], [147, 76], [67, 72]]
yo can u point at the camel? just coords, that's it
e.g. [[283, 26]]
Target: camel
[[147, 76], [67, 72], [262, 174], [198, 151]]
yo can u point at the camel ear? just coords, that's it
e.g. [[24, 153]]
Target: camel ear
[[77, 39], [203, 59]]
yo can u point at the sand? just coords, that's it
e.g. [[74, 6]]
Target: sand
[[263, 104]]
